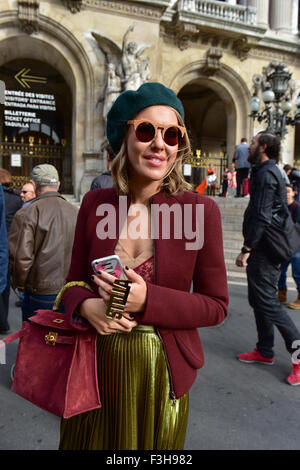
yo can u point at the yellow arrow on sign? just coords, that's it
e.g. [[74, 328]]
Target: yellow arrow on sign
[[23, 78]]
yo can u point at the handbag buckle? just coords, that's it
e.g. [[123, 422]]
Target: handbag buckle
[[50, 338]]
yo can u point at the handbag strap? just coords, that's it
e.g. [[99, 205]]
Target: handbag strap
[[11, 338], [58, 299]]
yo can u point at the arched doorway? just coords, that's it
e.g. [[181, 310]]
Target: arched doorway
[[206, 117], [206, 120], [224, 97], [57, 46], [36, 124]]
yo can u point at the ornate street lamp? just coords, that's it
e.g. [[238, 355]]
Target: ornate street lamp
[[277, 91]]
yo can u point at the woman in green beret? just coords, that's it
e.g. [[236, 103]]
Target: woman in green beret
[[168, 238]]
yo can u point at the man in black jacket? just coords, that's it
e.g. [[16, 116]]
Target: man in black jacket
[[13, 203], [267, 198], [105, 179]]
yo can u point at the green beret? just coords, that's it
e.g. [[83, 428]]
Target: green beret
[[129, 103]]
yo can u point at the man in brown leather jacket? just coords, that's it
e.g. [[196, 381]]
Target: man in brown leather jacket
[[40, 242]]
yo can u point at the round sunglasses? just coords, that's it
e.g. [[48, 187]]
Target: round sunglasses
[[146, 130]]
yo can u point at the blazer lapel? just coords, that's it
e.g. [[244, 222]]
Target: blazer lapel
[[120, 205], [173, 263]]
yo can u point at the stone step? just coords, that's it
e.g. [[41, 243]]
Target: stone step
[[230, 226], [231, 209], [230, 258], [232, 235], [233, 244], [232, 218], [239, 202], [231, 253], [237, 278], [232, 268], [234, 213]]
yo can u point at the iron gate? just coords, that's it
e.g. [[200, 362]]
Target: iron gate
[[20, 157], [199, 164]]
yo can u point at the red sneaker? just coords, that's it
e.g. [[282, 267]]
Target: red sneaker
[[255, 356], [294, 377]]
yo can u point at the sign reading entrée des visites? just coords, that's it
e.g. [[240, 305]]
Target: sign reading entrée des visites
[[23, 106]]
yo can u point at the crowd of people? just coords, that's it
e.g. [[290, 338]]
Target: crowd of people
[[149, 356], [234, 180]]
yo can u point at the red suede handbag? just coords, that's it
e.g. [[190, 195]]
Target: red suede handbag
[[56, 364]]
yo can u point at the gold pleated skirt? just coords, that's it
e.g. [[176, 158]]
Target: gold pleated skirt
[[137, 412]]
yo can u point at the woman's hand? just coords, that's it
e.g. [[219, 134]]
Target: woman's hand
[[138, 290], [93, 310]]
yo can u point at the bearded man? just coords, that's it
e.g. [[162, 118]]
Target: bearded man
[[267, 199]]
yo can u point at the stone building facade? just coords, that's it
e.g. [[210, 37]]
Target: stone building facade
[[54, 57]]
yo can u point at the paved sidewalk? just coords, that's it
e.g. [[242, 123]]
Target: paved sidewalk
[[233, 406]]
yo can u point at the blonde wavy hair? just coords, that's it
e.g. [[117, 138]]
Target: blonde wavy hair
[[173, 182]]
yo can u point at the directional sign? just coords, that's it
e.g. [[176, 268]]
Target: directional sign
[[23, 78], [23, 108]]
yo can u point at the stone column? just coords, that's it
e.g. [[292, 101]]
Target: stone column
[[186, 5], [288, 147], [94, 165], [295, 13], [262, 7], [281, 16]]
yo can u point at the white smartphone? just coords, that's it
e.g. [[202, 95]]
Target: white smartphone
[[111, 264]]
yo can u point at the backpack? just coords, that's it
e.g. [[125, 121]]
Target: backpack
[[282, 236]]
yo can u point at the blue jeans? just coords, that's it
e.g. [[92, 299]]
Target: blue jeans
[[295, 262], [32, 302], [4, 306]]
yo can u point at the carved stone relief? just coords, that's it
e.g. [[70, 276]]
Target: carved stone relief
[[241, 48], [213, 64], [28, 15], [126, 8], [126, 68], [73, 5], [183, 35], [266, 54]]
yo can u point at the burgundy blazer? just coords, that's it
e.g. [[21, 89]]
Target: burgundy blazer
[[170, 307]]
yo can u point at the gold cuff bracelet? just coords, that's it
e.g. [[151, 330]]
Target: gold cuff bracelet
[[118, 298]]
